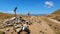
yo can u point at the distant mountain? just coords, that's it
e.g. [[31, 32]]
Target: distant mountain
[[37, 14]]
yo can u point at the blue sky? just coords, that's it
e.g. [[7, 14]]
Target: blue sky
[[31, 6]]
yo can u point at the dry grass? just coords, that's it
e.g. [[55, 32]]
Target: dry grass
[[55, 15], [5, 16]]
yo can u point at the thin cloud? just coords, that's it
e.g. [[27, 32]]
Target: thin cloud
[[49, 4], [11, 12]]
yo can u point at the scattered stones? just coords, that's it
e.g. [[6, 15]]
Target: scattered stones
[[46, 29], [50, 24], [39, 21], [41, 32]]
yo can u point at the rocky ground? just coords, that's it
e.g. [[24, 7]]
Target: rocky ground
[[40, 25]]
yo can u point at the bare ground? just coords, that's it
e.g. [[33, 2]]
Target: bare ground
[[39, 26]]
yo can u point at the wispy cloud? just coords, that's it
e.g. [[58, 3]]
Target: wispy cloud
[[11, 12], [48, 4]]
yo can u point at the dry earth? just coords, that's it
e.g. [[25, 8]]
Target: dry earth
[[39, 26]]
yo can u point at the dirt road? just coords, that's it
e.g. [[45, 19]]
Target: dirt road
[[40, 28], [53, 20]]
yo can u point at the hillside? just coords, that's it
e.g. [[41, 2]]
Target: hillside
[[5, 16], [57, 12], [55, 15]]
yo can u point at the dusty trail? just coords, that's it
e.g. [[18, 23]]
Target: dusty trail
[[53, 20], [53, 24], [40, 28]]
